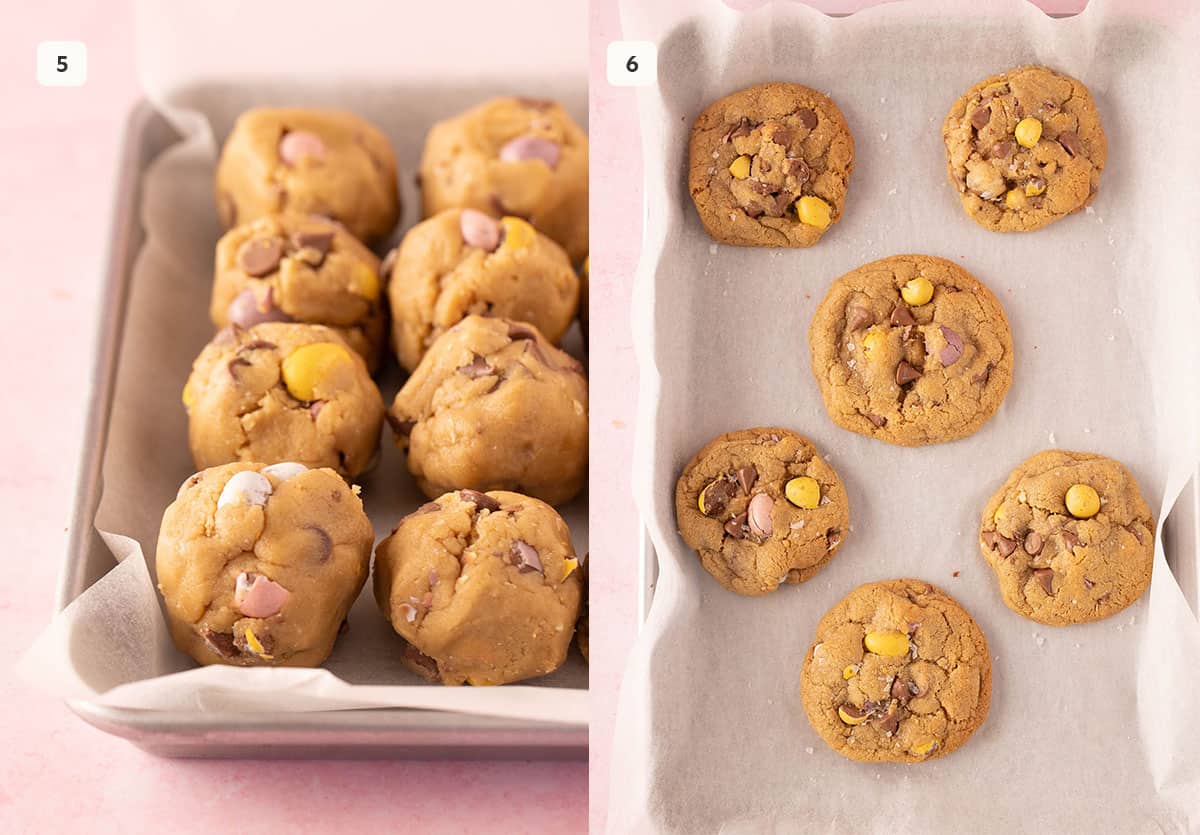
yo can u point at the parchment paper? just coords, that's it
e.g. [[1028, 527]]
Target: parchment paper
[[1086, 730], [111, 645]]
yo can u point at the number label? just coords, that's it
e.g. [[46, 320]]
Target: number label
[[62, 64], [632, 64]]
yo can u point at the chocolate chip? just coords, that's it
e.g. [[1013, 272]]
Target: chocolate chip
[[759, 187], [481, 500], [1070, 540], [858, 318], [1137, 533], [742, 128], [260, 256], [952, 351], [879, 422], [746, 476], [534, 347], [246, 310], [1088, 584], [400, 427], [833, 538], [319, 239], [807, 117], [901, 691], [982, 376], [798, 168], [905, 373], [476, 368], [889, 721], [323, 541], [784, 136], [425, 665], [536, 104], [227, 335], [389, 261], [220, 642], [1002, 149], [524, 556], [852, 711], [227, 210], [1045, 578], [980, 117], [1033, 543], [314, 409], [428, 507], [902, 315], [257, 345], [716, 497], [735, 527], [998, 542], [1049, 105], [518, 330], [1069, 139]]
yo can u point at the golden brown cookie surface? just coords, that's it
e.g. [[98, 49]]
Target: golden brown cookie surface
[[300, 268], [1070, 538], [769, 166], [258, 565], [911, 350], [305, 161], [494, 406], [282, 392], [462, 262], [898, 672], [512, 156], [483, 588], [761, 508], [1024, 149]]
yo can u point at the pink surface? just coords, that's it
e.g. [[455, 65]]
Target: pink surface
[[57, 774], [616, 227]]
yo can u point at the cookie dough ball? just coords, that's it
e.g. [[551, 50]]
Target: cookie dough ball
[[483, 588], [761, 508], [297, 268], [258, 565], [282, 392], [769, 166], [898, 672], [509, 156], [324, 162], [911, 350], [581, 628], [1024, 148], [1070, 538], [462, 262], [494, 406]]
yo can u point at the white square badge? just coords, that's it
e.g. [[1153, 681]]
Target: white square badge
[[632, 64], [62, 64]]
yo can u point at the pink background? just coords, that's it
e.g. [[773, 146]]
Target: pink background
[[58, 774]]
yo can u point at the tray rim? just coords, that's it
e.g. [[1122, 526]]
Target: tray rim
[[374, 733]]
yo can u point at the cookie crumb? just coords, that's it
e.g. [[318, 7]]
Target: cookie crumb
[[892, 191], [712, 249], [955, 573], [1051, 439], [1039, 639], [808, 749]]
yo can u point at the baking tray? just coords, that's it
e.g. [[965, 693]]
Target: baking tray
[[358, 734]]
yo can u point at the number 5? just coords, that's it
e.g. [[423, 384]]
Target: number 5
[[61, 66], [632, 64]]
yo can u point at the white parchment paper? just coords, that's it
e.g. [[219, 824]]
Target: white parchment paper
[[1086, 731], [111, 645]]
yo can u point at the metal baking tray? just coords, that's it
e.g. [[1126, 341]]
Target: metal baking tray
[[357, 734]]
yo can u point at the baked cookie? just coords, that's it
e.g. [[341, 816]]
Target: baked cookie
[[1070, 538], [761, 508], [769, 166], [258, 565], [511, 156], [494, 406], [297, 268], [282, 392], [323, 162], [911, 350], [483, 588], [461, 262], [898, 672], [1024, 149]]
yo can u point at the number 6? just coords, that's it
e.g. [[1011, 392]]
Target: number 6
[[632, 64]]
